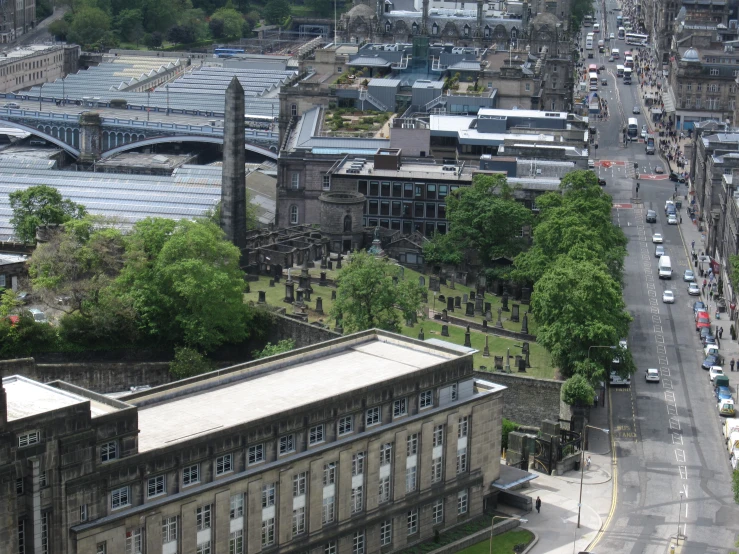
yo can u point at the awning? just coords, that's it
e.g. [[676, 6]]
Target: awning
[[512, 476]]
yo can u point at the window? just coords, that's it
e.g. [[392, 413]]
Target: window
[[329, 509], [155, 486], [203, 548], [27, 439], [437, 512], [109, 451], [358, 463], [400, 407], [386, 453], [294, 110], [224, 464], [83, 512], [329, 474], [413, 521], [315, 435], [347, 224], [134, 541], [236, 542], [299, 480], [202, 517], [528, 87], [357, 500], [461, 460], [256, 454], [268, 495], [454, 394], [299, 521], [191, 475], [19, 486], [689, 88], [386, 532], [714, 72], [42, 480], [22, 537], [372, 417], [119, 498], [410, 478], [293, 215], [169, 529], [287, 444], [462, 502], [464, 426], [326, 182], [438, 435], [330, 548], [699, 87], [437, 466], [237, 506], [412, 444], [268, 532], [384, 495], [346, 425], [426, 399], [358, 542]]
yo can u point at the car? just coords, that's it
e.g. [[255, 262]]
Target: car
[[714, 372], [689, 276], [12, 105], [675, 178], [591, 164], [659, 251], [726, 408], [610, 59], [702, 320], [23, 296], [698, 306], [710, 350], [617, 380], [668, 297], [723, 393], [604, 82], [669, 205], [611, 36], [657, 238], [704, 331], [672, 219], [708, 339], [651, 375], [635, 109], [710, 361], [590, 55], [694, 289], [643, 131], [602, 182], [38, 315], [651, 216], [659, 169], [623, 344]]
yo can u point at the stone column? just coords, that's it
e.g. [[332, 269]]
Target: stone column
[[233, 183], [90, 136]]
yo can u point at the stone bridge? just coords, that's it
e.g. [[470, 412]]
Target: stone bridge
[[89, 137]]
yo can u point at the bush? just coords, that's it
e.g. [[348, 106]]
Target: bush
[[274, 349], [25, 337], [508, 426], [188, 362], [577, 391]]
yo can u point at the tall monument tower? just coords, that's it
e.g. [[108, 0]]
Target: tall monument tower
[[233, 184]]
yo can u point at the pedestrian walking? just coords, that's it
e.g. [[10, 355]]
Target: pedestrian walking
[[692, 245], [732, 364], [588, 463], [720, 332], [538, 503]]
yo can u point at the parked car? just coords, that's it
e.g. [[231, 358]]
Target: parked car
[[657, 238], [668, 297], [702, 320], [659, 251], [672, 219], [688, 276], [651, 216], [711, 350], [617, 380], [602, 182], [38, 315], [698, 306], [704, 332], [708, 339], [652, 375], [726, 408], [723, 393], [675, 178], [714, 372], [711, 361], [694, 289]]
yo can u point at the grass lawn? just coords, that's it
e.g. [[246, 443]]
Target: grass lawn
[[541, 363], [502, 544]]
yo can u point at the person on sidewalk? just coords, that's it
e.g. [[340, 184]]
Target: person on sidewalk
[[538, 505], [720, 332], [732, 364], [587, 463]]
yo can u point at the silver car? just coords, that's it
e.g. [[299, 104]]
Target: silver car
[[659, 251], [689, 276], [694, 289]]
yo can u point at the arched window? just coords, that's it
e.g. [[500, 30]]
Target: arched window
[[466, 30], [486, 33], [514, 33], [293, 215], [388, 27], [347, 224], [435, 29]]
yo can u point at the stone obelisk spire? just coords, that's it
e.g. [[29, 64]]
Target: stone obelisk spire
[[233, 184]]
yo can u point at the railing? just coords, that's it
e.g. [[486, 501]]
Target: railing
[[365, 95], [436, 101]]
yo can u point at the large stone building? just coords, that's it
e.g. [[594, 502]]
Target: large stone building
[[17, 17], [36, 64], [367, 443]]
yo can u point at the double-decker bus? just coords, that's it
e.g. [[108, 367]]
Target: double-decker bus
[[633, 128], [592, 68], [627, 76], [636, 38], [589, 42], [593, 81], [259, 121], [629, 62], [619, 71], [588, 21], [621, 33]]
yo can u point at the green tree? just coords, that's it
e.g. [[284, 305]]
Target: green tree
[[270, 349], [37, 206], [130, 25], [485, 217], [89, 27], [59, 29], [233, 22], [442, 249], [576, 391], [321, 8], [9, 302], [188, 362], [160, 15], [185, 283], [366, 297], [276, 11]]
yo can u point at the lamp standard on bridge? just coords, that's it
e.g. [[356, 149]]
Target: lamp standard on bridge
[[148, 104], [167, 87]]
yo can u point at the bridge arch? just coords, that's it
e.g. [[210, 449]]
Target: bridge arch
[[46, 136], [269, 153]]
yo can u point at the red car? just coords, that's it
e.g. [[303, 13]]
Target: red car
[[702, 320]]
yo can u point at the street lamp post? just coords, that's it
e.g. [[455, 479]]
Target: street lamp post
[[582, 465], [167, 87], [148, 104], [492, 527], [679, 513]]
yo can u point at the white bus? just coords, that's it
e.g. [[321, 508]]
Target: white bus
[[627, 76], [619, 71], [596, 28], [635, 38], [621, 33], [633, 128], [589, 42], [588, 21], [593, 81], [615, 53]]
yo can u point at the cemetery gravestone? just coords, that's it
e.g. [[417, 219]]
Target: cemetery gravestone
[[514, 313]]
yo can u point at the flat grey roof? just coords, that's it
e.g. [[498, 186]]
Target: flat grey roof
[[29, 398], [341, 369]]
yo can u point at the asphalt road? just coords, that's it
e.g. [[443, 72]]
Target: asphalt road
[[666, 435]]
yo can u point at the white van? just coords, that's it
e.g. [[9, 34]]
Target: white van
[[665, 267], [733, 442], [731, 425]]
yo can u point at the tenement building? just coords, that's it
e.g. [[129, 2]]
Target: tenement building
[[367, 443]]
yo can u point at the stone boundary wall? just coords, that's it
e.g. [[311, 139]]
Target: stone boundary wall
[[529, 400], [490, 329]]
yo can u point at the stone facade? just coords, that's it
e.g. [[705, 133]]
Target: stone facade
[[342, 220], [84, 486], [36, 65]]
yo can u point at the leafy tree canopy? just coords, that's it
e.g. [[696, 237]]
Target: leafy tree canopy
[[89, 27], [188, 362], [276, 11], [233, 24], [367, 298], [38, 206], [270, 349], [576, 391]]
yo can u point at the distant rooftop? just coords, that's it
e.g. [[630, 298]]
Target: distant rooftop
[[12, 56], [409, 171]]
